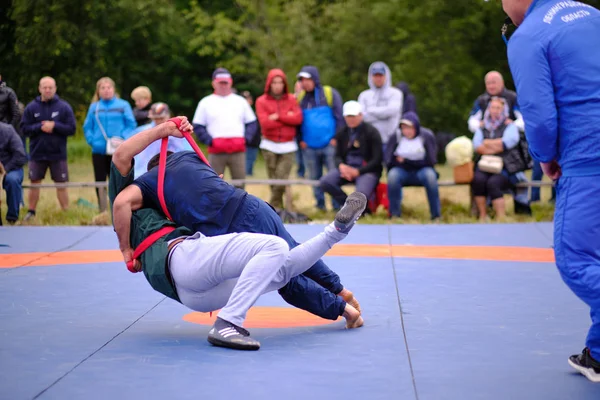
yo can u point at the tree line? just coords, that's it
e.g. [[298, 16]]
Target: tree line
[[441, 48]]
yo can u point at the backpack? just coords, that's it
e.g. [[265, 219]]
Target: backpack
[[328, 95]]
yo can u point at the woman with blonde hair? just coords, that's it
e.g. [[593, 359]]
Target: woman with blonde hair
[[109, 121]]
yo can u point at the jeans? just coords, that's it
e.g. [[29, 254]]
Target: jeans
[[332, 183], [251, 155], [426, 176], [300, 162], [13, 182], [315, 160], [537, 175], [316, 289]]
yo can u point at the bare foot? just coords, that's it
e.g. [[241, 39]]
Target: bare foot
[[353, 318], [348, 297]]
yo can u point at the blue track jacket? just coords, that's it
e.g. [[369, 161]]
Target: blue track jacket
[[554, 57]]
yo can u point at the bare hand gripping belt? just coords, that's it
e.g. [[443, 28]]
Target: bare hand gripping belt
[[162, 164]]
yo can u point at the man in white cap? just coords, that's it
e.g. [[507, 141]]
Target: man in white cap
[[358, 156]]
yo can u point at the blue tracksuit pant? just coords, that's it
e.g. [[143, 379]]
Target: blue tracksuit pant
[[577, 245], [312, 291]]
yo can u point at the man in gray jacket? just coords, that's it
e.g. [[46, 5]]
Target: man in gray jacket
[[382, 103], [12, 159]]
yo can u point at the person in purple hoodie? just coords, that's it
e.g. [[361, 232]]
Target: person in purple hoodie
[[410, 157], [48, 121]]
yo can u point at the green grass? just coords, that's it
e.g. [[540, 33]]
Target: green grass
[[83, 208]]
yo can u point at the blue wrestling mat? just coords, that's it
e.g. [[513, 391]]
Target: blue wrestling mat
[[453, 312]]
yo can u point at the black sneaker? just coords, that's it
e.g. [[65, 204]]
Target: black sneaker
[[351, 211], [586, 365], [225, 334]]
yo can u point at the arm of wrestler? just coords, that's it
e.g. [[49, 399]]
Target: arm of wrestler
[[133, 146], [127, 201]]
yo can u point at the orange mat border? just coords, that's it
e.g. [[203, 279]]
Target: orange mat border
[[483, 253]]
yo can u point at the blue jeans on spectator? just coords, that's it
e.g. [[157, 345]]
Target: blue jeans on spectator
[[400, 177], [332, 183], [251, 155], [315, 160], [300, 162], [13, 184], [537, 175]]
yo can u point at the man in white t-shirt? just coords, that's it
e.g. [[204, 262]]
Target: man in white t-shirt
[[225, 122]]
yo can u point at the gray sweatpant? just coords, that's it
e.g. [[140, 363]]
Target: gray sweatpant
[[229, 272]]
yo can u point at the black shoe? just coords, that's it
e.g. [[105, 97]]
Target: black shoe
[[351, 211], [586, 365], [225, 334]]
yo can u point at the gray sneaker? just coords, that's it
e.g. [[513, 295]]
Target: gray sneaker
[[225, 334], [351, 211], [28, 216]]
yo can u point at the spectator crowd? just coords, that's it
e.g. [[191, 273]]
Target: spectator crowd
[[303, 122]]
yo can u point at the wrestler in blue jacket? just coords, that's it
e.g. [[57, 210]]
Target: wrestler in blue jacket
[[554, 58]]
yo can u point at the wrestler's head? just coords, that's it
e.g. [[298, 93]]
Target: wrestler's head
[[154, 160]]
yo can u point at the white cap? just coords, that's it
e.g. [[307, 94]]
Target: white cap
[[304, 74], [352, 108]]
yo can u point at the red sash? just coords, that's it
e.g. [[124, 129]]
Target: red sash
[[162, 164]]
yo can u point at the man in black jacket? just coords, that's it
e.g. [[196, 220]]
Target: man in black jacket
[[358, 156], [12, 159], [9, 108]]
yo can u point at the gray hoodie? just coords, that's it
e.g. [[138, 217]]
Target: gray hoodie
[[382, 107]]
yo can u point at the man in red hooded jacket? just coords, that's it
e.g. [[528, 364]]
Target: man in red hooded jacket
[[278, 115]]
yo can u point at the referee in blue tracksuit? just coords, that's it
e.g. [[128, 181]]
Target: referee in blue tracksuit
[[554, 57]]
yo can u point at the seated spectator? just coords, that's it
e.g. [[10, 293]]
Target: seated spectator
[[12, 159], [143, 100], [498, 136], [159, 113], [358, 156], [410, 157], [279, 116]]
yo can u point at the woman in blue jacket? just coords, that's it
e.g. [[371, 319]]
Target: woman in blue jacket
[[554, 58], [109, 121]]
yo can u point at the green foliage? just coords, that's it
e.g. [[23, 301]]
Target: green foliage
[[441, 48]]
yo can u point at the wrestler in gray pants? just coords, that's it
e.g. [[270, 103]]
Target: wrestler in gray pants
[[229, 272]]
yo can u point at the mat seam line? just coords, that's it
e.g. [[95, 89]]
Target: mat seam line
[[537, 226], [97, 350], [53, 252], [412, 373]]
